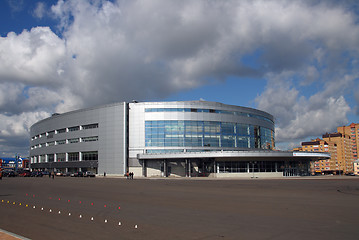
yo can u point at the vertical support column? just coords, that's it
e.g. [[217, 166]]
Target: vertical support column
[[189, 168], [247, 167], [165, 168], [186, 167], [80, 159], [144, 169], [55, 160]]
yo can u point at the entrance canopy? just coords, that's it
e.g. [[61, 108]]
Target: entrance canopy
[[261, 155]]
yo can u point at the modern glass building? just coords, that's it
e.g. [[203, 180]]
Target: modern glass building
[[163, 139]]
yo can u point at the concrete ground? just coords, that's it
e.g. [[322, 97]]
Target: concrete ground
[[116, 208]]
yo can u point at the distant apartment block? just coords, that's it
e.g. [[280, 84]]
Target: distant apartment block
[[342, 146], [340, 149], [353, 131]]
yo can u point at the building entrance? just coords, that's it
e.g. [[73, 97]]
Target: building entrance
[[290, 172], [205, 167]]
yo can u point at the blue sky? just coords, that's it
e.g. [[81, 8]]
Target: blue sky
[[297, 60]]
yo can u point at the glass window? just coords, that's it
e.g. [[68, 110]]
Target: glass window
[[51, 133], [228, 128], [50, 157], [61, 157], [73, 156], [42, 158], [90, 126], [72, 129], [60, 142], [228, 141], [243, 142], [62, 130], [267, 138], [90, 156], [206, 134], [74, 140], [90, 139]]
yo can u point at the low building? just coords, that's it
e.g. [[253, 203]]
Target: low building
[[339, 146], [318, 145], [163, 139], [356, 167], [14, 163]]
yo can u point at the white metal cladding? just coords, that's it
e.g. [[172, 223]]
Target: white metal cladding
[[111, 144]]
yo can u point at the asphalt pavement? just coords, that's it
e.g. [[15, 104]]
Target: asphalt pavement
[[116, 208]]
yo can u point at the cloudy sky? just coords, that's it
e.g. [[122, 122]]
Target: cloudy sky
[[297, 60]]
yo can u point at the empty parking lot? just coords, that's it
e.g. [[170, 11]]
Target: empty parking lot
[[116, 208]]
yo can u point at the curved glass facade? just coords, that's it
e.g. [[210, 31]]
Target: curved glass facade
[[184, 133]]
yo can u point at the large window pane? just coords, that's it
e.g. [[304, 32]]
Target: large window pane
[[206, 134], [73, 156], [90, 156]]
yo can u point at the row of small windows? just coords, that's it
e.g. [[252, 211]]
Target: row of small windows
[[66, 157], [251, 115], [51, 134], [66, 141]]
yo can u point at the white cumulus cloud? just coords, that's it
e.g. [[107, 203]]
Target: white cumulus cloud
[[109, 51]]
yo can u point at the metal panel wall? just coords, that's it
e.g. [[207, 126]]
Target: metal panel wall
[[111, 132]]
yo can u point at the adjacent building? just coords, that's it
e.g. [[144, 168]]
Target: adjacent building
[[342, 147], [353, 131], [162, 139], [16, 163], [318, 145]]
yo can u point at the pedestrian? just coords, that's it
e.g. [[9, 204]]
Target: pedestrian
[[53, 174], [132, 175], [104, 174], [127, 175]]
